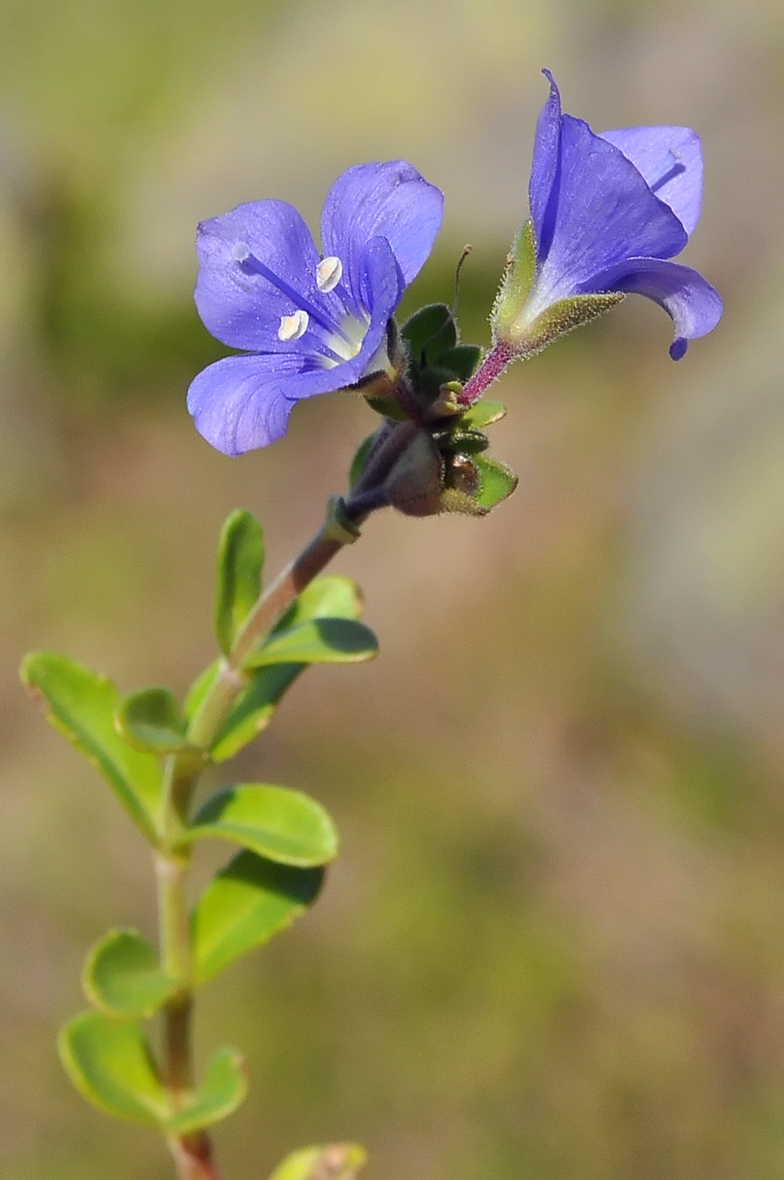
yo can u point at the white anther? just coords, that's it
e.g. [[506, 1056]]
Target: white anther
[[240, 251], [293, 326], [328, 274]]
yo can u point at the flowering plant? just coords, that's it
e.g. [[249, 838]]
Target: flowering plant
[[608, 213]]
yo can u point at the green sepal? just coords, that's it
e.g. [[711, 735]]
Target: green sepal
[[317, 641], [476, 484], [387, 407], [240, 562], [430, 332], [122, 977], [281, 824], [457, 439], [110, 1064], [151, 720], [497, 481], [248, 902], [516, 283], [559, 319], [462, 360], [335, 1161], [82, 706], [223, 1088], [483, 413]]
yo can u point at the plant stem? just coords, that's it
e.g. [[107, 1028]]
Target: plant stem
[[192, 1153], [492, 366], [269, 609]]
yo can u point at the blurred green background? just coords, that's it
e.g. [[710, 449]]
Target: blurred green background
[[554, 944]]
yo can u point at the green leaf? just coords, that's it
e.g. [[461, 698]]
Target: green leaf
[[151, 720], [358, 462], [483, 413], [249, 901], [461, 360], [110, 1064], [240, 561], [82, 705], [317, 641], [497, 481], [200, 687], [223, 1089], [333, 596], [122, 976], [336, 1161], [283, 825], [253, 709], [430, 332]]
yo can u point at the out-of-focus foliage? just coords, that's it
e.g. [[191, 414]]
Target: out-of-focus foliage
[[552, 944]]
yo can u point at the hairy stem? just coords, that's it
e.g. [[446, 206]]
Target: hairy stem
[[491, 368]]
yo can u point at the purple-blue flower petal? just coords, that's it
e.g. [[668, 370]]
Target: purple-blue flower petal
[[694, 305], [243, 402], [670, 161], [239, 307], [545, 169], [604, 213], [390, 200]]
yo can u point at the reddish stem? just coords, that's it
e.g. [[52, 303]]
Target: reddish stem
[[490, 369]]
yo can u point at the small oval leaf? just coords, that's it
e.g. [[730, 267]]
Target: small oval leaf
[[430, 332], [335, 1161], [81, 705], [254, 708], [317, 641], [110, 1064], [151, 720], [249, 901], [284, 825], [240, 562], [497, 481], [123, 978], [483, 413], [332, 596], [223, 1089]]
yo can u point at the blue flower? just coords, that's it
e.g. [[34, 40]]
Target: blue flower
[[307, 323], [607, 213]]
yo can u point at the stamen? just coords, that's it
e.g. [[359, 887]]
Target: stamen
[[240, 251], [671, 166], [328, 274], [250, 264], [293, 326]]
